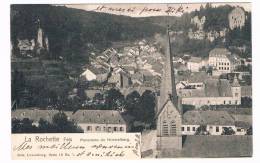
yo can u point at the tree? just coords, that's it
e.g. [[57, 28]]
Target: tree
[[114, 100], [132, 101], [202, 130], [146, 113], [23, 126], [249, 131], [61, 124], [227, 131]]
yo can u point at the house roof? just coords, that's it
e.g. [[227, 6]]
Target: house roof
[[218, 88], [219, 52], [35, 114], [195, 59], [246, 91], [98, 117], [96, 70], [80, 116], [208, 118], [213, 147]]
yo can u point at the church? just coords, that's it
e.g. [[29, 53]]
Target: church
[[169, 110]]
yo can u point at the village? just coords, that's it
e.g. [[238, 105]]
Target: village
[[210, 95]]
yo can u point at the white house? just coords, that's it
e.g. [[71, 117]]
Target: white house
[[94, 73], [213, 92], [213, 121], [99, 121], [194, 64], [222, 61]]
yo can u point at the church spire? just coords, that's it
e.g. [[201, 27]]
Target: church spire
[[168, 88]]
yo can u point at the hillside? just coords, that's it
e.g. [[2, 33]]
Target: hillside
[[72, 31]]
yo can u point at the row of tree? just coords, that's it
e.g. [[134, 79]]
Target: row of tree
[[59, 124]]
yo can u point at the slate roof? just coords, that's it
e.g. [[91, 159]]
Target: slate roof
[[222, 53], [195, 59], [34, 114], [98, 117], [80, 116], [213, 146], [208, 118], [246, 91]]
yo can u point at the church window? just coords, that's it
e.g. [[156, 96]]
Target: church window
[[173, 128], [165, 129]]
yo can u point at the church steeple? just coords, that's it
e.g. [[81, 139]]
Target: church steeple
[[168, 88]]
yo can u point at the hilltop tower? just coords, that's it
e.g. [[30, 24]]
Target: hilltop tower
[[169, 112]]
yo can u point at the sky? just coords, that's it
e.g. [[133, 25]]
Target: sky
[[144, 10]]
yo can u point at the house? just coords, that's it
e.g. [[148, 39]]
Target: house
[[214, 122], [236, 18], [25, 45], [99, 121], [221, 60], [194, 64], [120, 78], [88, 120], [214, 92], [34, 114], [94, 73]]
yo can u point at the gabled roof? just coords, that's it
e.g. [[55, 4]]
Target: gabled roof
[[98, 117], [207, 118], [195, 59], [34, 114]]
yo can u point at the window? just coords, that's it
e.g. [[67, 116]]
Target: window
[[188, 128], [229, 102], [236, 102], [236, 94], [165, 128], [109, 129], [224, 102], [193, 128], [89, 128], [104, 128], [227, 68], [182, 128], [98, 128], [217, 129], [239, 130], [121, 128], [173, 128], [115, 128]]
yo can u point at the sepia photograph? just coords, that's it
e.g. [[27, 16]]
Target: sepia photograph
[[175, 79]]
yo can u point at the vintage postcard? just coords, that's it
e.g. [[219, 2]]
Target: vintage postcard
[[131, 81]]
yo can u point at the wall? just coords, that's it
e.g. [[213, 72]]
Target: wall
[[200, 101], [103, 127]]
